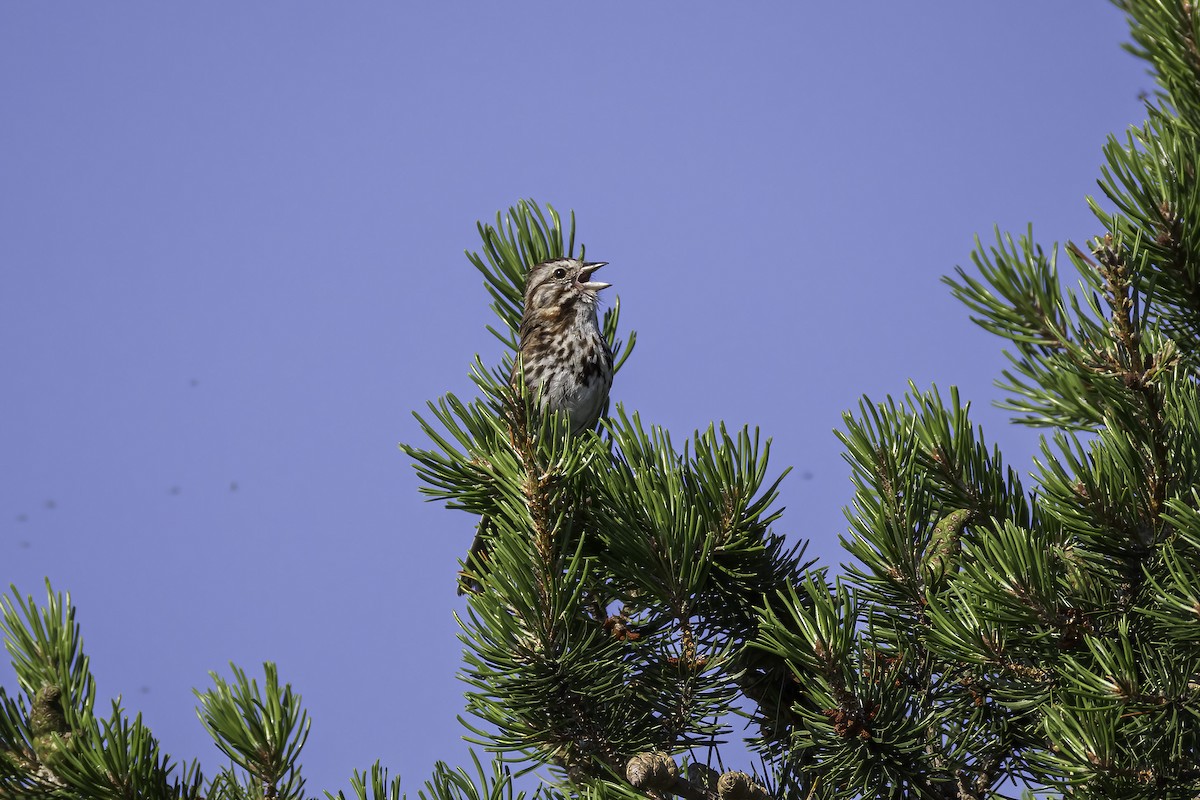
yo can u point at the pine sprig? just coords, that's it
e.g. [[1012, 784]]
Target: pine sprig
[[51, 743], [262, 731], [46, 648]]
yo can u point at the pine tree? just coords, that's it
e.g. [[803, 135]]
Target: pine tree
[[985, 635]]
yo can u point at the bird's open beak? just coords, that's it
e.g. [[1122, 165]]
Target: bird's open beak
[[585, 277]]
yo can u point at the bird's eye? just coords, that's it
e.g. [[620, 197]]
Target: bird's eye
[[560, 273]]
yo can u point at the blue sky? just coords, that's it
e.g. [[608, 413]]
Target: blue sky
[[232, 265]]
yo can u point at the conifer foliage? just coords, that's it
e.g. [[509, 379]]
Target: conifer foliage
[[995, 630]]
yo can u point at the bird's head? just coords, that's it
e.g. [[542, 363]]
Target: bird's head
[[562, 283]]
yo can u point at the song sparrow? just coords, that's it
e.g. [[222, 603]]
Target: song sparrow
[[565, 360]]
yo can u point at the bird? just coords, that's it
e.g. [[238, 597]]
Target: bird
[[565, 361]]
